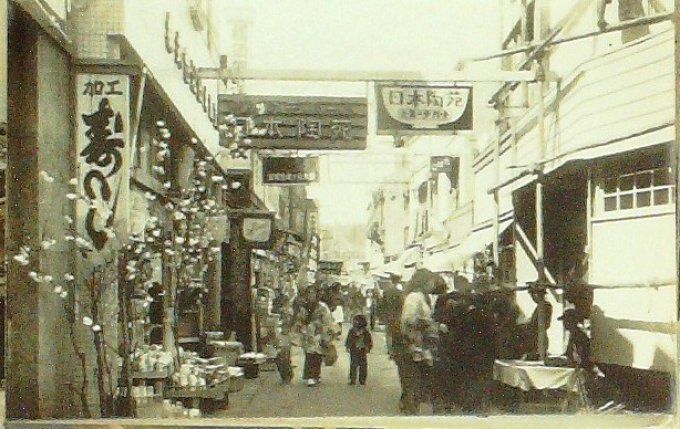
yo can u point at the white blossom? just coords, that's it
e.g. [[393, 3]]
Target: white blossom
[[63, 294], [71, 196], [83, 243], [96, 328], [46, 177], [21, 258], [69, 277], [87, 321]]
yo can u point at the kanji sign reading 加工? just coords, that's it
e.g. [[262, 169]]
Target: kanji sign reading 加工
[[418, 109], [102, 136], [283, 122], [289, 170]]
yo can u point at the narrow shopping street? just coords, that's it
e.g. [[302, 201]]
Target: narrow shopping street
[[196, 196], [267, 397]]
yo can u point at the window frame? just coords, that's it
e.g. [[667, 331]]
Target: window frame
[[602, 194]]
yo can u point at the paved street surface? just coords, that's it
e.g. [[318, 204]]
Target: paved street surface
[[266, 397]]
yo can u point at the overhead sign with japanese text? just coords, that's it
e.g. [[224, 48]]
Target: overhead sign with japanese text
[[423, 109], [293, 122], [103, 150], [290, 170], [448, 165], [331, 267]]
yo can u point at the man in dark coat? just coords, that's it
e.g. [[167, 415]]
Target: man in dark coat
[[390, 309]]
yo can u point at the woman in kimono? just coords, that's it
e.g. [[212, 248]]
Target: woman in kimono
[[317, 330]]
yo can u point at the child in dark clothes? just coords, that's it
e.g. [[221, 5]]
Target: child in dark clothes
[[358, 345]]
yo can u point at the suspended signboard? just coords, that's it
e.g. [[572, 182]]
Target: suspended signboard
[[289, 170], [330, 267], [103, 151], [448, 165], [291, 122], [404, 109]]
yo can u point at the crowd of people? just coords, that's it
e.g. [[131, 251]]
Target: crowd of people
[[443, 340]]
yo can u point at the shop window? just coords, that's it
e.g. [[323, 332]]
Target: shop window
[[644, 188]]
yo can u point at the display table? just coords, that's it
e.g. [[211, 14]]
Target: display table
[[158, 378], [535, 375], [207, 399], [528, 376]]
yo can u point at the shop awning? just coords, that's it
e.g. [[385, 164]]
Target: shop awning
[[435, 239], [404, 265], [454, 258]]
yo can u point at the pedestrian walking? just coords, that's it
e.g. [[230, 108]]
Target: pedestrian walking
[[420, 334], [338, 317], [391, 306], [317, 330], [283, 362], [358, 344], [283, 340]]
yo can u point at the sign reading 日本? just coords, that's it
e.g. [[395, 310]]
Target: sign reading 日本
[[423, 109]]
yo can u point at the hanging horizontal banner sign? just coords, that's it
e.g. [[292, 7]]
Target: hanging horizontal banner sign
[[330, 267], [289, 170], [291, 122], [404, 109], [103, 151]]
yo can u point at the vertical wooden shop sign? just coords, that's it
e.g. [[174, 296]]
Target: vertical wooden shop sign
[[103, 151]]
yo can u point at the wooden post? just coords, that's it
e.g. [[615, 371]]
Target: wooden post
[[496, 199], [540, 263], [542, 337]]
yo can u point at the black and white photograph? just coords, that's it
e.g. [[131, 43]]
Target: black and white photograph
[[365, 214]]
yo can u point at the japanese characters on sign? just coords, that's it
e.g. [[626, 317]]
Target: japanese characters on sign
[[410, 109], [287, 170], [102, 135], [330, 267], [279, 122], [188, 68]]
